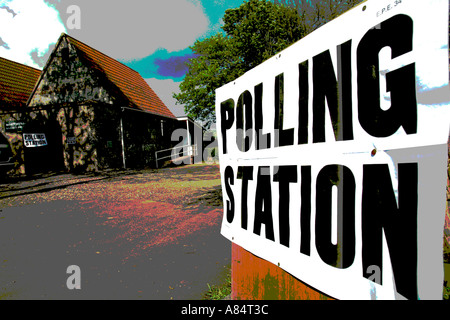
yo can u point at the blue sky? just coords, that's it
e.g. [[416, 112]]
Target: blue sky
[[152, 37]]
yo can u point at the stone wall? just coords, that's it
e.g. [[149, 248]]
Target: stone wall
[[15, 139]]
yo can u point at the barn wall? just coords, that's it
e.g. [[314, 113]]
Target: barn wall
[[144, 134], [15, 139]]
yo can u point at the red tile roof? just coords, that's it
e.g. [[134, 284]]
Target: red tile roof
[[17, 81], [130, 82]]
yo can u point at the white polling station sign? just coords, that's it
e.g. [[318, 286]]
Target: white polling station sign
[[333, 153], [34, 140]]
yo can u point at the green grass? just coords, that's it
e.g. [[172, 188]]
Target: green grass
[[446, 293], [219, 292]]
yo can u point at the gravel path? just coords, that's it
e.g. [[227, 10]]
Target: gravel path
[[134, 234]]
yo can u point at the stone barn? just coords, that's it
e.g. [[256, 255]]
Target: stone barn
[[89, 112]]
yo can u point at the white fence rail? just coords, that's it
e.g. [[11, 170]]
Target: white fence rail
[[174, 153]]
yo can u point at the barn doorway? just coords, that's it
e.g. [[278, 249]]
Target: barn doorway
[[43, 148]]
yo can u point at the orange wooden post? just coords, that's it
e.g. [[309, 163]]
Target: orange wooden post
[[256, 279]]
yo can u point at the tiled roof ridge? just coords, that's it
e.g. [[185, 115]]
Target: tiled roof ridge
[[127, 84], [104, 54]]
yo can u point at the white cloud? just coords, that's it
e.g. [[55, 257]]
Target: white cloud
[[165, 89], [128, 30], [135, 29], [34, 27]]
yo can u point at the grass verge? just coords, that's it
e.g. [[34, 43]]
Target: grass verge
[[219, 292]]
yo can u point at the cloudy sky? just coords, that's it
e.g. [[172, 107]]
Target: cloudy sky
[[150, 36]]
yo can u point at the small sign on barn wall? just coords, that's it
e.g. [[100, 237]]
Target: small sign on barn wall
[[14, 126], [333, 153], [71, 140], [34, 140]]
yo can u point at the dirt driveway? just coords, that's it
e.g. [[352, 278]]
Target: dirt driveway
[[134, 235]]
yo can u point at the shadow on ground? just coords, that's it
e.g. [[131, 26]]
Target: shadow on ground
[[117, 250]]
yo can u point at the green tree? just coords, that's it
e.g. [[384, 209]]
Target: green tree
[[315, 13], [253, 32], [213, 66]]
